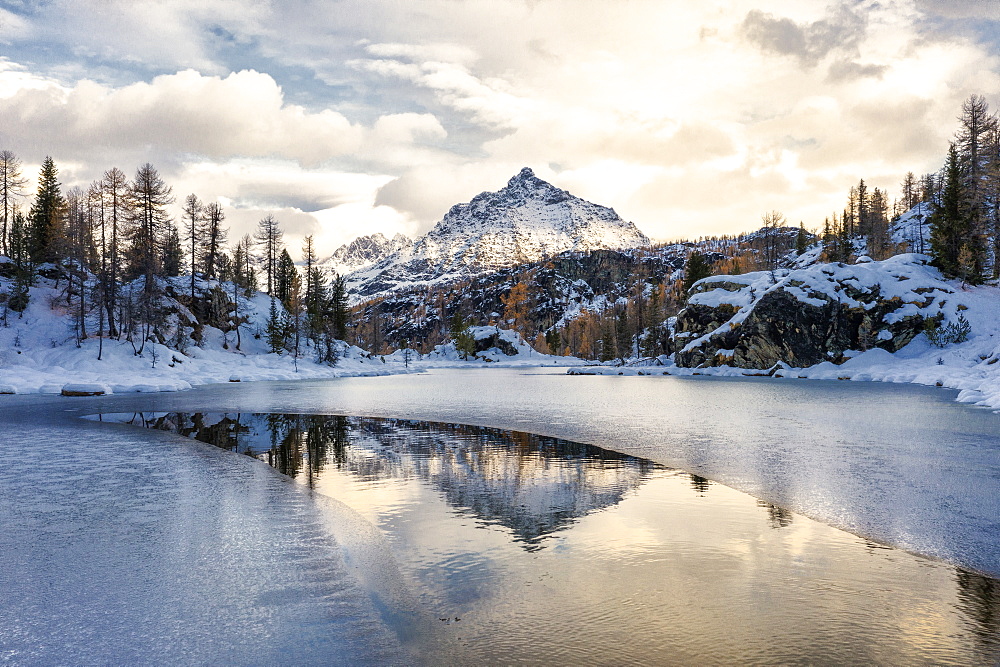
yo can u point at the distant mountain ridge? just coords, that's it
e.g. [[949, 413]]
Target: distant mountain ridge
[[523, 222], [364, 251]]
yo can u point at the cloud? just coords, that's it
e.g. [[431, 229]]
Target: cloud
[[331, 205], [220, 117], [687, 118], [960, 9], [843, 70], [809, 42]]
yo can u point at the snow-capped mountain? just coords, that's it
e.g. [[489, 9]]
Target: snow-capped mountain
[[523, 222], [364, 251]]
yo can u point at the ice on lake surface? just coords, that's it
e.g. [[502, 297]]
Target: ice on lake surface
[[459, 544], [518, 547]]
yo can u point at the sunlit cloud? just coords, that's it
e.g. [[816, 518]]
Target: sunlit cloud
[[688, 119]]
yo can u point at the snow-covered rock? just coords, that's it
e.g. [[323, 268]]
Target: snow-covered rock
[[802, 317], [85, 389], [364, 251], [523, 222], [493, 345]]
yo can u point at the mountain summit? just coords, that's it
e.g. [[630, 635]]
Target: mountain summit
[[523, 222]]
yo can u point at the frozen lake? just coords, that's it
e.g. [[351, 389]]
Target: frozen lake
[[463, 545]]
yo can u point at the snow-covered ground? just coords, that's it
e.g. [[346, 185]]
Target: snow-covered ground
[[38, 354], [972, 367]]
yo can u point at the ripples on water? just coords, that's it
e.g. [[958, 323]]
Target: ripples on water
[[522, 548]]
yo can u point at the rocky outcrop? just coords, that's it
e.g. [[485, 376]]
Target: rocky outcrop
[[802, 317], [495, 341]]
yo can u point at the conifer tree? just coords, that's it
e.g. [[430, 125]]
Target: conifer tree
[[315, 296], [878, 240], [173, 253], [296, 311], [149, 196], [23, 270], [339, 310], [623, 335], [910, 190], [949, 225], [192, 226], [276, 328], [114, 213], [801, 240], [268, 236], [12, 185], [285, 273], [465, 342], [517, 308], [696, 268], [46, 218], [213, 239]]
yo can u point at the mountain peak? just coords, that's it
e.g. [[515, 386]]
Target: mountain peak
[[523, 222], [525, 174]]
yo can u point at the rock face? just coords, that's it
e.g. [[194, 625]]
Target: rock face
[[364, 251], [523, 222], [806, 316]]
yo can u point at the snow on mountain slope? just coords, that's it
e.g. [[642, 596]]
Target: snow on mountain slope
[[523, 222], [364, 251]]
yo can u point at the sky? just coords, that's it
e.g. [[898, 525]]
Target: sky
[[351, 117]]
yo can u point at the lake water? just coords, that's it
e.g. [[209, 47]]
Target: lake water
[[491, 544]]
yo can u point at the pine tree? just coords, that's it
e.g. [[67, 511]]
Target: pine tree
[[910, 190], [149, 196], [173, 253], [878, 241], [24, 275], [949, 225], [465, 342], [696, 268], [192, 232], [801, 240], [315, 298], [276, 328], [114, 214], [12, 185], [608, 349], [623, 335], [213, 238], [861, 212], [46, 220], [285, 273], [268, 236], [296, 311], [339, 310]]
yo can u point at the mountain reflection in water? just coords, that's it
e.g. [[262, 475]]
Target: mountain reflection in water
[[534, 485], [524, 548]]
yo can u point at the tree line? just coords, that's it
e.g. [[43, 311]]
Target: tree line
[[960, 202], [116, 250]]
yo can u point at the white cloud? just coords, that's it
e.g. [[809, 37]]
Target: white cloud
[[687, 118]]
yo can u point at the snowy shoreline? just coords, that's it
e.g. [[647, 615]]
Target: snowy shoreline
[[121, 371], [977, 383]]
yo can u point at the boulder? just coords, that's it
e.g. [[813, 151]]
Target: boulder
[[85, 389], [806, 316]]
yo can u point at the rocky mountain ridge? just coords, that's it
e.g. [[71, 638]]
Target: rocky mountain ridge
[[525, 221], [364, 251]]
